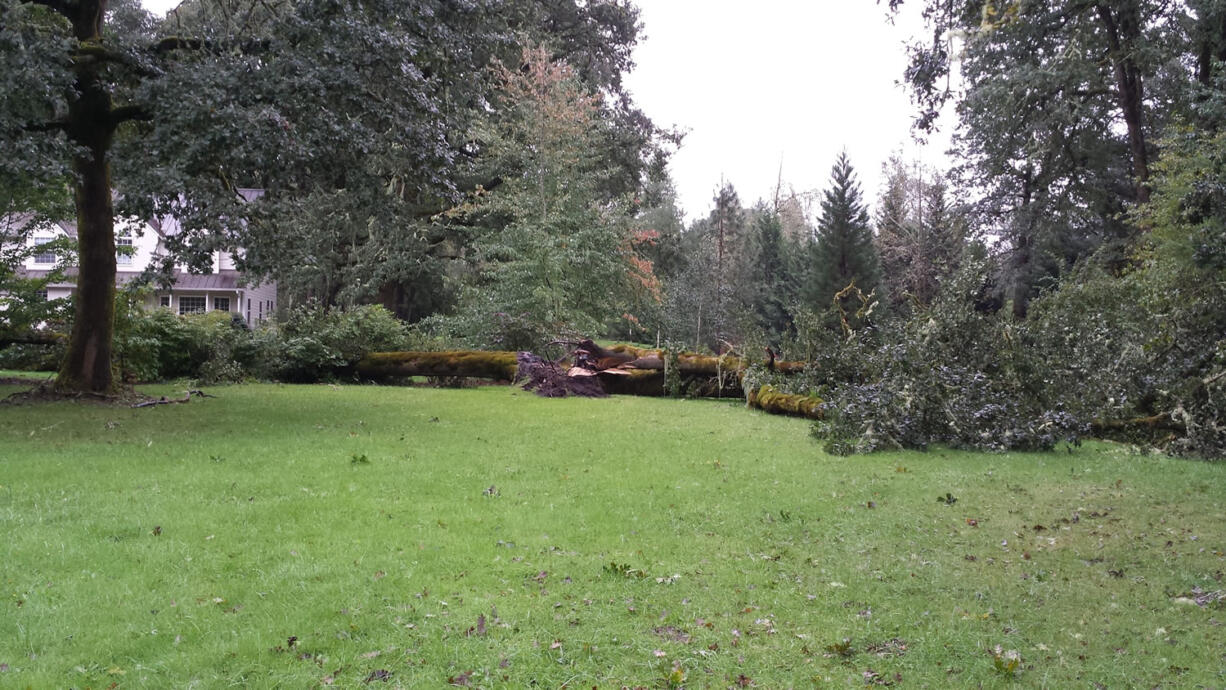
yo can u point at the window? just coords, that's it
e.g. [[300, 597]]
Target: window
[[123, 249], [43, 257], [191, 305], [41, 296], [221, 304], [165, 301]]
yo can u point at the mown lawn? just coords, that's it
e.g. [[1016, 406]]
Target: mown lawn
[[298, 536]]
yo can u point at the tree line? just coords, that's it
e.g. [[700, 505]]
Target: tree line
[[479, 169]]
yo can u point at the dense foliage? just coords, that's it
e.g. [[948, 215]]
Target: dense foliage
[[310, 344], [479, 169], [352, 117]]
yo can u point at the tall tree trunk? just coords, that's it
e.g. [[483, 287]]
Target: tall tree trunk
[[1123, 36], [87, 364]]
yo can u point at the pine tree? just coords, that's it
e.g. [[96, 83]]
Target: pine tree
[[843, 252], [771, 279]]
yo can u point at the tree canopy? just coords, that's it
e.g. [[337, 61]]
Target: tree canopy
[[352, 117]]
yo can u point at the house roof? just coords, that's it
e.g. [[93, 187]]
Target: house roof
[[19, 221], [222, 281]]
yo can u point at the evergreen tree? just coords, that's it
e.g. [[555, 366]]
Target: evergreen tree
[[920, 235], [770, 279], [843, 252]]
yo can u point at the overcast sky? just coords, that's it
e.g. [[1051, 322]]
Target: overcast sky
[[771, 82], [775, 81]]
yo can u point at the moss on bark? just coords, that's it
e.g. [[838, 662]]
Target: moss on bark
[[770, 400], [499, 366]]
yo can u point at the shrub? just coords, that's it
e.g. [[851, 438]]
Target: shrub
[[30, 357], [314, 343], [160, 344]]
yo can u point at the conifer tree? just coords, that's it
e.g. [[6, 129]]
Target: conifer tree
[[843, 251], [771, 279]]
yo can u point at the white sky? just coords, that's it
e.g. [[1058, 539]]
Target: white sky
[[791, 81], [769, 82]]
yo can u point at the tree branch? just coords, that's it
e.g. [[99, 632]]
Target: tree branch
[[130, 112], [172, 43], [51, 126], [100, 53], [62, 7]]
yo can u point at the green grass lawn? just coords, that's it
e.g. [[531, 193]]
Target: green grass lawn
[[297, 536]]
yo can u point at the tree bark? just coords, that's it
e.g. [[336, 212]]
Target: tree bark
[[87, 364], [770, 400], [1123, 35], [500, 366]]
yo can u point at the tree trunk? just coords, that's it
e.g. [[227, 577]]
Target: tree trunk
[[646, 378], [1123, 35], [770, 400], [500, 366], [87, 364]]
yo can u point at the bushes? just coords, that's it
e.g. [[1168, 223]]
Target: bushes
[[311, 344], [31, 357], [160, 344]]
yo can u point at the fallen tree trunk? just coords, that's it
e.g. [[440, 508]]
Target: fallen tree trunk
[[652, 382], [767, 399], [1151, 424], [30, 338], [499, 366], [694, 364]]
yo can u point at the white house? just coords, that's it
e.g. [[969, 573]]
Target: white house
[[222, 289]]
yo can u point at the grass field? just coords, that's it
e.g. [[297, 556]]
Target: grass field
[[300, 536]]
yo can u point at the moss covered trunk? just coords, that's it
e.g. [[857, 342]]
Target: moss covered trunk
[[499, 366], [770, 400]]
